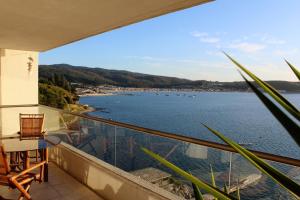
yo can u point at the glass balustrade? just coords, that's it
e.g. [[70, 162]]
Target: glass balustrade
[[121, 147]]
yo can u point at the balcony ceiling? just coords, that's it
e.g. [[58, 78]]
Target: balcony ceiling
[[40, 25]]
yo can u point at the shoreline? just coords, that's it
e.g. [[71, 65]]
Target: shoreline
[[172, 91], [91, 109], [88, 110], [96, 94]]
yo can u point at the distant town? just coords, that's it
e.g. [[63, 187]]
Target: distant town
[[103, 90], [63, 84]]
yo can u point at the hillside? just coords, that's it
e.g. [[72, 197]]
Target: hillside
[[54, 96], [99, 76]]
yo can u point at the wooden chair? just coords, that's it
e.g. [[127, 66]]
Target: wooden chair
[[31, 126], [20, 180]]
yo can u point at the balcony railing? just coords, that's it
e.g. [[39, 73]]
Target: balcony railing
[[119, 145]]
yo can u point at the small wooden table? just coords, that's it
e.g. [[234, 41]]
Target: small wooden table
[[13, 144]]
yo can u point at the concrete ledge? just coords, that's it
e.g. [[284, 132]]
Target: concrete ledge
[[106, 180]]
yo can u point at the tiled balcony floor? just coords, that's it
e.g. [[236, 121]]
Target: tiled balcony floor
[[61, 186]]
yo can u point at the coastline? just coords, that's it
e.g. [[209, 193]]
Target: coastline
[[154, 90], [96, 94], [88, 110], [80, 108]]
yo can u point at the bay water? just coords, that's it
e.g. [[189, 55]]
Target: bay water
[[239, 116]]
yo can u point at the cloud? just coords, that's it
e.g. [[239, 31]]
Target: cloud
[[290, 52], [210, 39], [275, 41], [255, 43], [205, 37], [247, 47], [272, 40], [199, 34], [215, 53]]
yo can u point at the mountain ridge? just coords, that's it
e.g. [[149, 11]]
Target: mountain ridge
[[98, 76]]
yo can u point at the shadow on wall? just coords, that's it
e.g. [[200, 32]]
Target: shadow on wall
[[9, 119], [0, 119], [106, 183], [123, 193]]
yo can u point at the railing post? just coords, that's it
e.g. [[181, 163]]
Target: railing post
[[115, 162]]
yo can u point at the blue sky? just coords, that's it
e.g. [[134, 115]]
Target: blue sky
[[188, 43]]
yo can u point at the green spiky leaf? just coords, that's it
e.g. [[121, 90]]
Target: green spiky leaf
[[292, 128], [270, 90], [226, 189], [212, 176], [205, 186], [197, 192], [260, 164], [296, 72], [238, 191]]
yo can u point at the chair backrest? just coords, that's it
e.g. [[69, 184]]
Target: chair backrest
[[4, 166], [31, 125]]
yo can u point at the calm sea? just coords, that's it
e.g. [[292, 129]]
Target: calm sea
[[240, 116]]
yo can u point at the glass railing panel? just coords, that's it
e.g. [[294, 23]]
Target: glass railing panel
[[228, 168], [121, 147], [53, 119], [193, 158], [10, 123], [92, 137], [293, 172], [9, 118]]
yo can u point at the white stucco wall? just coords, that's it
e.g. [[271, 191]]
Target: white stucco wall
[[106, 180], [18, 84], [10, 123], [9, 119]]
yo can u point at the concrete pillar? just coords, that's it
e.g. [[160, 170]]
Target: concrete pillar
[[18, 77], [18, 86]]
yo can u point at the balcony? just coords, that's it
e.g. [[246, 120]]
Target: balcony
[[105, 156], [60, 186]]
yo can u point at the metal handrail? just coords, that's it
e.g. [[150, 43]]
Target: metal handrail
[[263, 155], [21, 105]]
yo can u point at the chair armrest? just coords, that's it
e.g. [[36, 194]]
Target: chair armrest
[[28, 170]]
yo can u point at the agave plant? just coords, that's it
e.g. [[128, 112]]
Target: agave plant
[[199, 183], [197, 192], [286, 121], [261, 165], [276, 109], [296, 72]]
